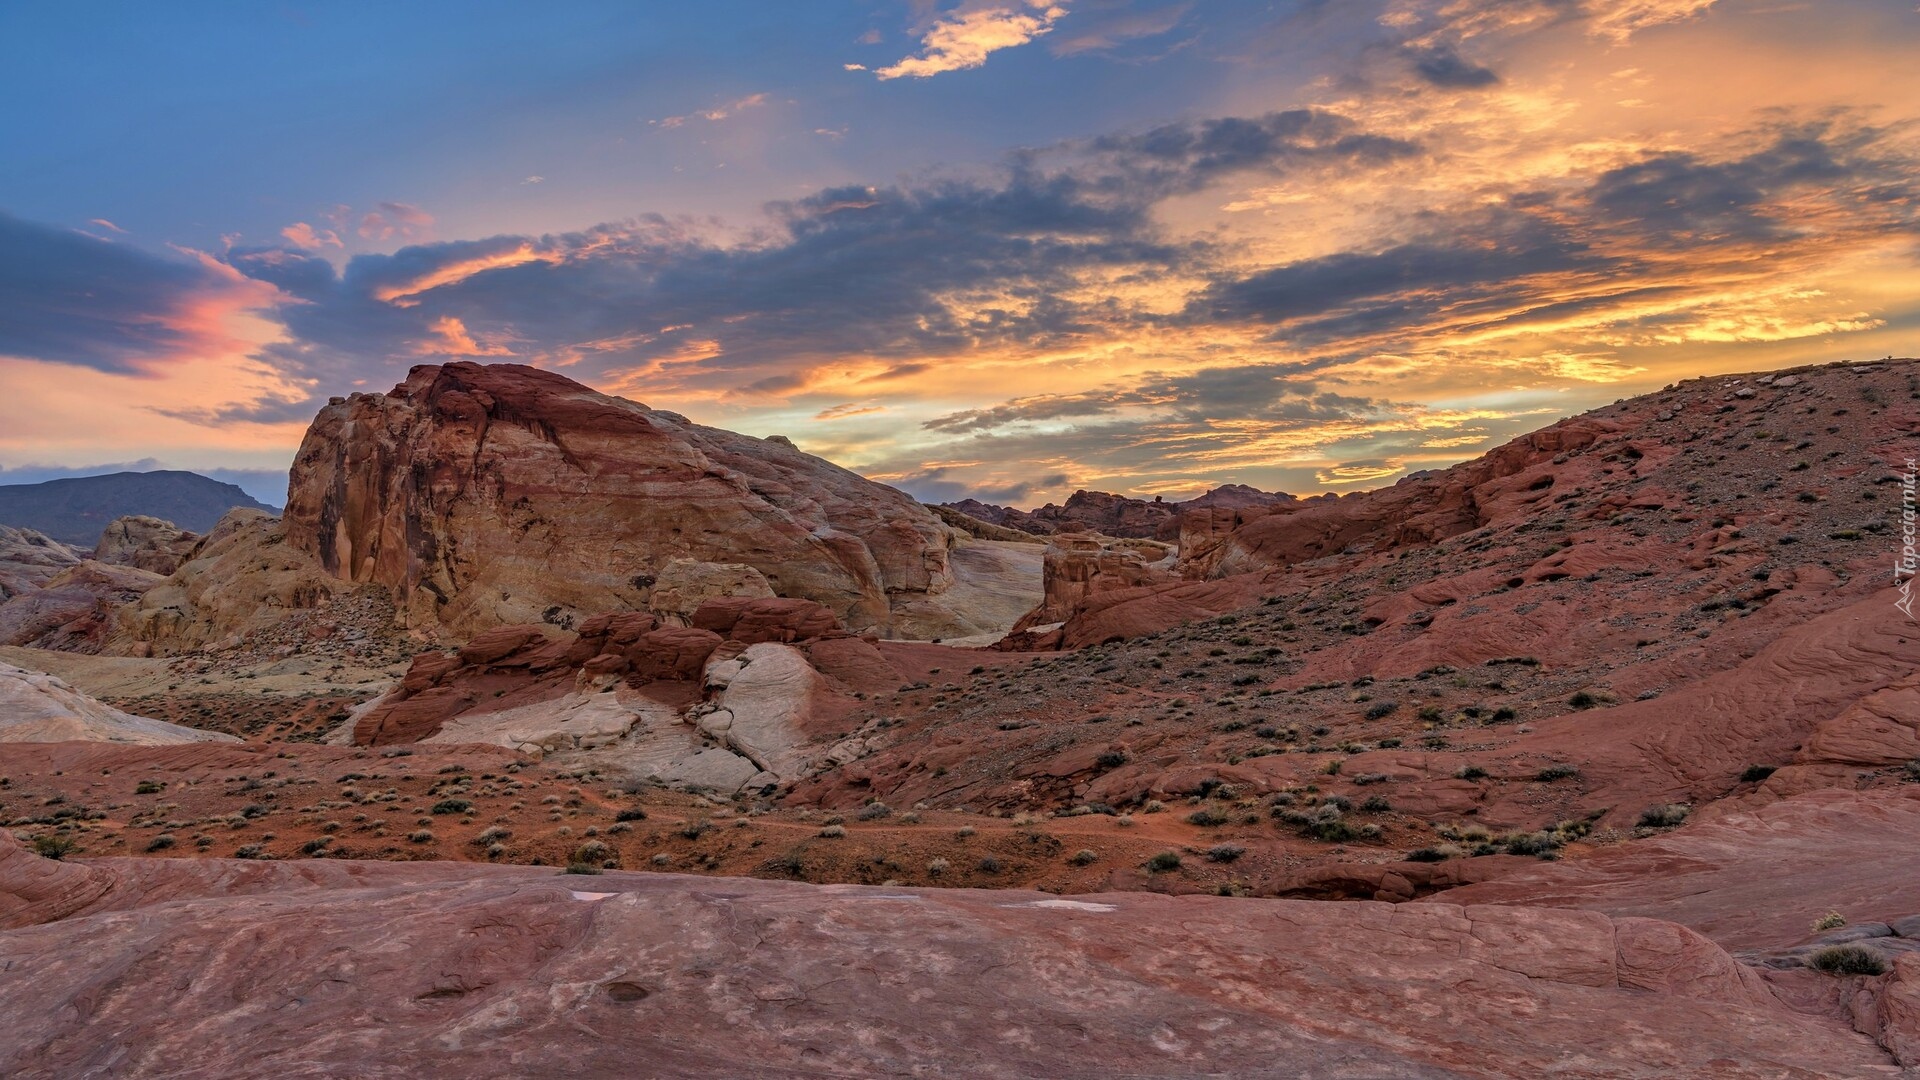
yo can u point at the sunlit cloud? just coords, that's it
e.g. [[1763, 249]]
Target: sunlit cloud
[[849, 409], [966, 38], [394, 220], [302, 235], [713, 115]]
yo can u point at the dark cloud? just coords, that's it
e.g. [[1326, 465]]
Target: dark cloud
[[942, 484], [1187, 156], [1443, 66], [1326, 299], [68, 298], [1272, 393]]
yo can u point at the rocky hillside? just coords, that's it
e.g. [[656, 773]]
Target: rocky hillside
[[76, 510]]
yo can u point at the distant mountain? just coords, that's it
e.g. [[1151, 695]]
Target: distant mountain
[[75, 510]]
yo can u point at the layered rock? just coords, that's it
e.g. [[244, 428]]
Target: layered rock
[[736, 699], [243, 579], [1115, 515], [458, 969], [1080, 566], [28, 558], [36, 707], [145, 543], [490, 495], [76, 609]]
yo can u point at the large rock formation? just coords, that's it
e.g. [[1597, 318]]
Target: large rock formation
[[488, 495], [36, 707]]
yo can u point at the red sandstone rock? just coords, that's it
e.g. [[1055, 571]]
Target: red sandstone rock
[[487, 495], [438, 969]]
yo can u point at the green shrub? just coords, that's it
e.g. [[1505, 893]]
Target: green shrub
[[52, 846], [452, 806], [149, 787], [581, 868], [1556, 772], [1426, 854], [1849, 960], [1470, 772], [1164, 862], [1584, 699], [161, 842], [1832, 920], [631, 813], [1225, 853], [1083, 857], [1207, 816]]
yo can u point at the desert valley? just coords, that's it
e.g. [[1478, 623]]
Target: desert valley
[[546, 727], [974, 539]]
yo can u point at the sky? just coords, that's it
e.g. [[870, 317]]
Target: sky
[[991, 248]]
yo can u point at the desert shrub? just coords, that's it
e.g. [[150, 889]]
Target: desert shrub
[[1849, 960], [1164, 862], [593, 851], [1207, 816], [936, 867], [492, 835], [1331, 831], [148, 787], [1225, 853], [1832, 920], [420, 836], [874, 811], [1112, 759], [250, 851], [1426, 854], [581, 868], [631, 813], [1556, 772], [452, 806], [1529, 843], [1470, 772], [1083, 857], [988, 865], [1503, 714], [1375, 804], [1756, 773], [1583, 699], [694, 830], [833, 832], [1380, 710], [161, 842], [52, 846], [1665, 816]]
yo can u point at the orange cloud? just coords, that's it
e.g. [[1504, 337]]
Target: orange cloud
[[965, 39], [455, 340], [406, 294]]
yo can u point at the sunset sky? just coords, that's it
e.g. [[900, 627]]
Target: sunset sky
[[1004, 248]]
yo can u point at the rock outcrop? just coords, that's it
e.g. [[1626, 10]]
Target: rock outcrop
[[1115, 515], [490, 495], [145, 543], [736, 699], [76, 609], [36, 707], [28, 558], [242, 580], [458, 970], [1080, 566]]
